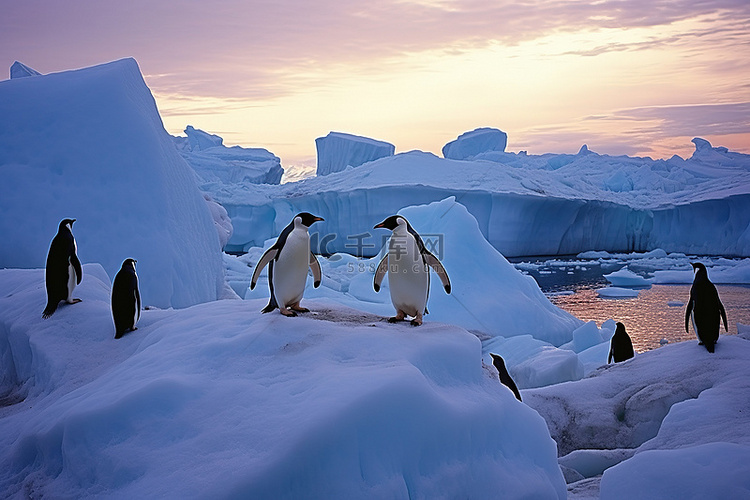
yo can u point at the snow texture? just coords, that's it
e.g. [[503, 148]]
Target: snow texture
[[337, 151], [221, 401], [89, 144], [470, 144]]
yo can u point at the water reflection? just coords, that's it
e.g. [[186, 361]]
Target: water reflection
[[657, 312]]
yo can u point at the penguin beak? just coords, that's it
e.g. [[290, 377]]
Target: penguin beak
[[379, 226], [318, 219]]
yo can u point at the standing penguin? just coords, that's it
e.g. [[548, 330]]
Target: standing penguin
[[126, 299], [620, 347], [63, 271], [704, 308], [288, 260], [407, 262], [505, 377]]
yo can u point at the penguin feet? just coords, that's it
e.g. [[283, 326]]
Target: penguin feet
[[415, 322], [298, 308], [73, 301], [287, 312], [400, 315]]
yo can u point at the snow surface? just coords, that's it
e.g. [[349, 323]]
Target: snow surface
[[221, 401], [676, 418], [227, 169], [470, 144], [89, 144], [337, 151], [550, 204]]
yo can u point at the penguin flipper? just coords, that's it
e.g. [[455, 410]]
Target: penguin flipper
[[77, 267], [380, 273], [723, 316], [687, 315], [434, 263], [315, 267], [263, 262]]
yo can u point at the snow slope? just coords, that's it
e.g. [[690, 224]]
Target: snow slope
[[89, 144], [221, 401], [677, 418], [525, 204]]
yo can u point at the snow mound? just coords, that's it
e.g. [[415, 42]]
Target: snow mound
[[89, 144], [470, 144], [614, 292], [337, 150], [221, 401]]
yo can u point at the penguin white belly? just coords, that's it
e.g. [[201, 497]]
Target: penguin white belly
[[290, 271], [407, 277], [136, 309], [71, 281]]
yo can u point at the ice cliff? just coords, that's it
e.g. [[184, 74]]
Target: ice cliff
[[336, 151], [90, 144]]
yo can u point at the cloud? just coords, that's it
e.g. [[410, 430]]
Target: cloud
[[266, 49]]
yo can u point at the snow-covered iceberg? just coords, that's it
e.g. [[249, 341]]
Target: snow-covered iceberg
[[524, 204], [89, 144], [337, 151], [220, 168], [471, 144], [221, 401]]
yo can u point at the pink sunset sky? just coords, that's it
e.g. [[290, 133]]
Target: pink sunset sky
[[624, 77]]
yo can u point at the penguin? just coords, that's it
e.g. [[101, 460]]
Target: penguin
[[407, 263], [620, 347], [126, 299], [288, 260], [505, 377], [704, 308], [63, 270]]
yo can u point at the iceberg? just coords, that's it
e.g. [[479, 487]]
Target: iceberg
[[226, 169], [90, 144], [337, 151], [471, 144], [524, 204]]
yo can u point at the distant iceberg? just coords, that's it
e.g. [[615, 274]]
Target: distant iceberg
[[470, 144], [336, 151]]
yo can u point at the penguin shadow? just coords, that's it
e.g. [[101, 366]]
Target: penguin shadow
[[347, 317]]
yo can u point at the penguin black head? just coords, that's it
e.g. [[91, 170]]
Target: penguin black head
[[308, 219], [699, 269], [66, 223], [497, 360], [391, 222], [129, 263], [620, 329]]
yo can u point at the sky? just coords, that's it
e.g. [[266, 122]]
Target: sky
[[624, 77]]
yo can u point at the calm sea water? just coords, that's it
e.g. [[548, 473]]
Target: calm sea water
[[657, 313]]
